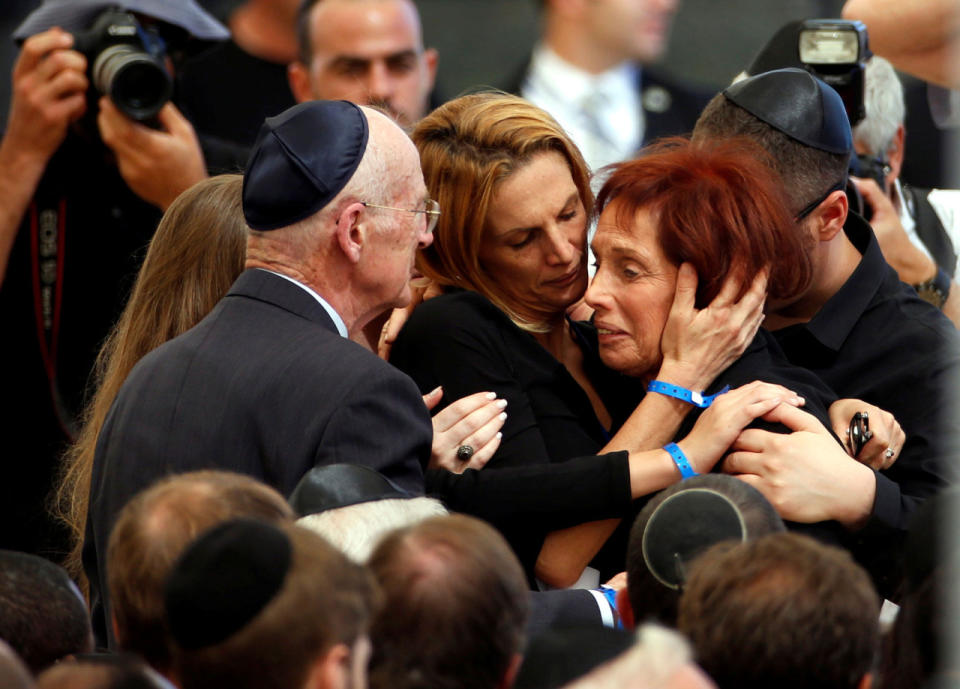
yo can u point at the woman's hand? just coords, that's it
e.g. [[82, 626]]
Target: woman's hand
[[883, 448], [473, 421], [697, 345], [730, 413]]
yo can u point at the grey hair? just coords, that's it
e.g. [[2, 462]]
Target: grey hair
[[658, 654], [884, 105], [357, 529]]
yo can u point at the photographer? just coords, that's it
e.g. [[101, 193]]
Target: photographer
[[918, 229], [82, 186]]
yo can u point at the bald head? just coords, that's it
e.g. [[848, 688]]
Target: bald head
[[369, 52]]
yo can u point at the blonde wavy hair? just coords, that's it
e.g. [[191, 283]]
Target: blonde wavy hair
[[197, 252], [468, 147]]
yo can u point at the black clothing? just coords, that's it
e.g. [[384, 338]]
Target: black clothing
[[88, 232], [876, 340], [227, 93], [764, 360], [462, 341]]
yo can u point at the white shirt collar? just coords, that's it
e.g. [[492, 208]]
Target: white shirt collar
[[615, 131], [337, 320]]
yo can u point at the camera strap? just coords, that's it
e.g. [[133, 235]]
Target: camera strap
[[47, 240]]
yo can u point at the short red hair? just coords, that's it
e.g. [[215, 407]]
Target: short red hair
[[719, 207]]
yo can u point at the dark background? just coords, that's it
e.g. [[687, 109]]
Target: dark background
[[485, 42]]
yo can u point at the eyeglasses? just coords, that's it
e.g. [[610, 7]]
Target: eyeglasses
[[810, 207], [431, 211]]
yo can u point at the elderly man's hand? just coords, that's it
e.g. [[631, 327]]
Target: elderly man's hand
[[156, 164], [805, 475], [49, 93]]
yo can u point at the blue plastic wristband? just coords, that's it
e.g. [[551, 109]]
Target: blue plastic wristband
[[697, 399], [680, 459]]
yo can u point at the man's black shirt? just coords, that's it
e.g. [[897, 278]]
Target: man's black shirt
[[877, 341]]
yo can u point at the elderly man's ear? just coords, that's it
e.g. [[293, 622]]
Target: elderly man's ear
[[351, 231]]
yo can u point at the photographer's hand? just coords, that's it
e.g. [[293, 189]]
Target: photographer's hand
[[156, 164], [49, 93], [911, 264]]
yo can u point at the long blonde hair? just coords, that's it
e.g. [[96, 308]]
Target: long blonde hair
[[467, 147], [197, 252]]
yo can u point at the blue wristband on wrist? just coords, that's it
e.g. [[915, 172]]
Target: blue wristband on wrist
[[697, 399], [680, 459]]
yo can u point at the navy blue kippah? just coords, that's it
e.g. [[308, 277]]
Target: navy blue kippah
[[332, 486], [798, 104], [223, 580], [683, 526], [301, 160]]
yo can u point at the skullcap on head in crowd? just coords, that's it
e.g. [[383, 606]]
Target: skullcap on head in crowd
[[683, 526], [224, 580], [75, 16], [333, 486], [798, 104], [301, 160]]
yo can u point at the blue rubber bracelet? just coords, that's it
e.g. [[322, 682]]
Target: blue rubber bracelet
[[680, 459], [697, 399]]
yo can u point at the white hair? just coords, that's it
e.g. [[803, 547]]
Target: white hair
[[884, 106], [658, 654], [357, 529]]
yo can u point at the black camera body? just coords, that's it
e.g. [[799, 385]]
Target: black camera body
[[128, 63]]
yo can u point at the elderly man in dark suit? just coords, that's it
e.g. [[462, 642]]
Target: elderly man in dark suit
[[269, 383]]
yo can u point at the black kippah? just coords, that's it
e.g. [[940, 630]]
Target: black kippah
[[340, 485], [301, 160], [223, 580], [798, 104], [683, 526]]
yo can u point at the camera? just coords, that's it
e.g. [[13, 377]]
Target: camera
[[835, 50], [126, 61]]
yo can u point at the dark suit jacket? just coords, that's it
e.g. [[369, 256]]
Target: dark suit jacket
[[265, 386], [669, 107]]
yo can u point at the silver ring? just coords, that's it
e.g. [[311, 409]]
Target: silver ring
[[465, 452], [888, 453]]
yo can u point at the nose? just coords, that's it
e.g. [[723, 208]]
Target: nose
[[597, 293], [379, 82], [425, 238], [560, 251]]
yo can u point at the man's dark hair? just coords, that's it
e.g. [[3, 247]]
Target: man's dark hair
[[455, 607], [807, 172], [153, 529], [325, 599], [783, 611], [650, 599], [42, 614]]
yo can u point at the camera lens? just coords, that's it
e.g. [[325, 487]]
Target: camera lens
[[136, 82]]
